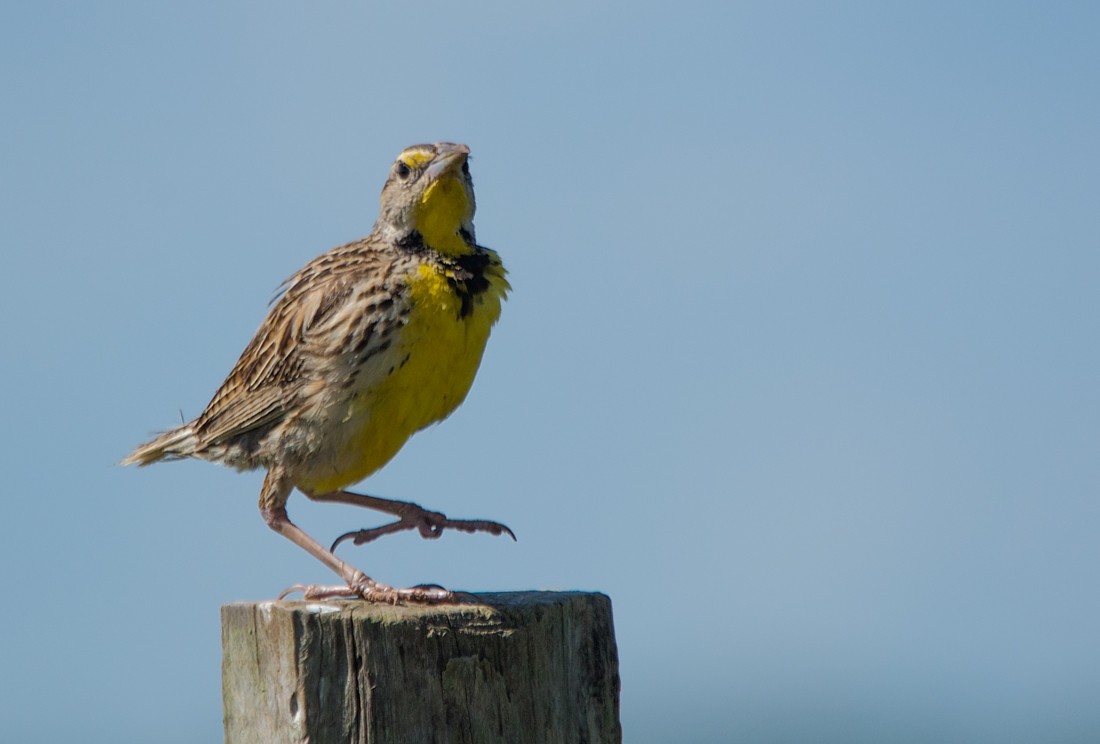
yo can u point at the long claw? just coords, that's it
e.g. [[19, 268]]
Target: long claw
[[319, 592], [373, 591], [365, 536], [429, 524], [342, 538], [434, 528]]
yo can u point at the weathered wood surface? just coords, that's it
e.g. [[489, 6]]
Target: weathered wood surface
[[514, 667]]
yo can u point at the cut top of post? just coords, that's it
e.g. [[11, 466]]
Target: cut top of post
[[515, 666]]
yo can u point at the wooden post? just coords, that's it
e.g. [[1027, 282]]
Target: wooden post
[[513, 667]]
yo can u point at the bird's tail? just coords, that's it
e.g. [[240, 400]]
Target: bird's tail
[[171, 445]]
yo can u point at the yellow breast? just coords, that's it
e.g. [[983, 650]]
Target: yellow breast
[[434, 360]]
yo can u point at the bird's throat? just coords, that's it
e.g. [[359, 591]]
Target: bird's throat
[[443, 209]]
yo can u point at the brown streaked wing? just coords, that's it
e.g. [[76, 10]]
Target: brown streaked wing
[[267, 379]]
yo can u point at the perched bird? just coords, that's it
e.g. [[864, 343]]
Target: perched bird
[[366, 345]]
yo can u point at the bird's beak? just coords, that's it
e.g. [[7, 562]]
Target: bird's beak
[[450, 159]]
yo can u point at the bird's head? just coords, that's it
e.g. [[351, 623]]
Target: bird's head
[[429, 191]]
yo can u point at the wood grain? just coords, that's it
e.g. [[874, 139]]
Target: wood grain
[[510, 667]]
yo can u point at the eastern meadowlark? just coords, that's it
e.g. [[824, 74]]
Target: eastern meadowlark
[[366, 345]]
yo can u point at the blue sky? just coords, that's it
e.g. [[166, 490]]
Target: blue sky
[[800, 367]]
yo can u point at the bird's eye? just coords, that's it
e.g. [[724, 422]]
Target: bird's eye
[[466, 168], [402, 170]]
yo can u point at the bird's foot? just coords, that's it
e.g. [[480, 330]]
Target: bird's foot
[[430, 524], [370, 590]]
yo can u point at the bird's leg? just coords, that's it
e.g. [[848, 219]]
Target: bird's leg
[[273, 508], [410, 516], [358, 583]]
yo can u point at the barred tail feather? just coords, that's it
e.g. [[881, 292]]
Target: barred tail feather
[[171, 445]]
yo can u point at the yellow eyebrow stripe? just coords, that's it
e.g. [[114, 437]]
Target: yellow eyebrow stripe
[[416, 158]]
